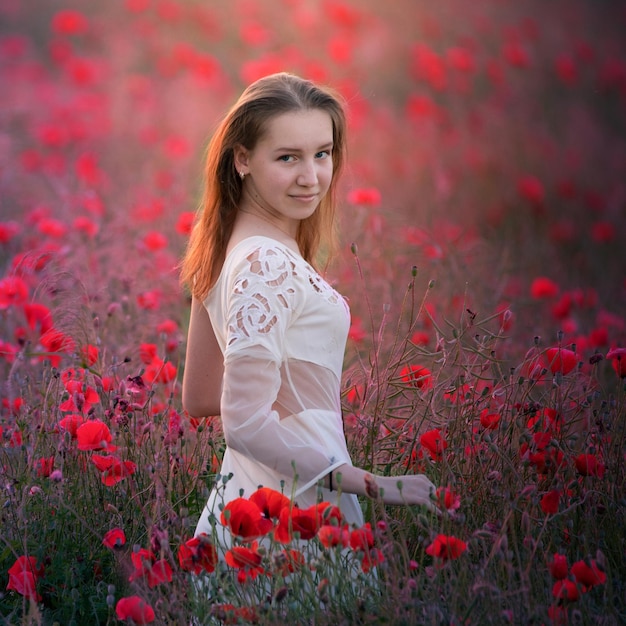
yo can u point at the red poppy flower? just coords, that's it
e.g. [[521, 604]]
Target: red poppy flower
[[155, 572], [446, 547], [25, 584], [448, 499], [560, 360], [159, 573], [13, 292], [135, 609], [356, 332], [230, 614], [114, 538], [185, 221], [550, 502], [142, 560], [589, 465], [530, 188], [416, 376], [198, 554], [160, 371], [245, 559], [305, 522], [327, 513], [558, 567], [147, 352], [362, 541], [89, 354], [23, 577], [566, 69], [86, 225], [69, 22], [154, 241], [71, 423], [565, 590], [362, 538], [333, 536], [94, 435], [113, 470], [588, 574], [617, 356], [288, 561], [81, 397], [245, 519], [362, 196], [8, 230], [149, 300], [56, 342], [167, 327], [543, 287], [434, 442], [38, 314], [270, 502], [489, 420], [45, 466], [429, 66]]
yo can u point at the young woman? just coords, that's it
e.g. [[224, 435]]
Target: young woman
[[267, 334]]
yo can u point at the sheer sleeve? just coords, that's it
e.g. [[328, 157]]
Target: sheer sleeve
[[264, 300]]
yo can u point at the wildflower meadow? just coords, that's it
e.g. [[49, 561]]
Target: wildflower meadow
[[482, 232]]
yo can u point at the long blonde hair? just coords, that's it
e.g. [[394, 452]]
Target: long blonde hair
[[244, 125]]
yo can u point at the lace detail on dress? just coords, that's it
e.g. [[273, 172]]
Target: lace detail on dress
[[323, 288], [263, 292]]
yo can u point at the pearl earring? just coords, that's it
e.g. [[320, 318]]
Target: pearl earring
[[242, 175]]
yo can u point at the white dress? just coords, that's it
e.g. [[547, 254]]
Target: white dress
[[282, 330]]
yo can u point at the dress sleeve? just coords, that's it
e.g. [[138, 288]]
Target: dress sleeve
[[265, 298]]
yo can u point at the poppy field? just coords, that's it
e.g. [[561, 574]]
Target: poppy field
[[481, 235]]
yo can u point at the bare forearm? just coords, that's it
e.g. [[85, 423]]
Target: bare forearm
[[409, 489]]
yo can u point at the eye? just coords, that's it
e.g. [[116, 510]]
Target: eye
[[323, 154], [286, 158]]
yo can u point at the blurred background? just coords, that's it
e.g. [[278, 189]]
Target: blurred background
[[487, 148]]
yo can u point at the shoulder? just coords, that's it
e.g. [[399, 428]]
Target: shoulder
[[264, 258]]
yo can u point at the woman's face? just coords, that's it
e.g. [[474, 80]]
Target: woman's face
[[290, 169]]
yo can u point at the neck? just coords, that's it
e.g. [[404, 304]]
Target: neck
[[291, 233]]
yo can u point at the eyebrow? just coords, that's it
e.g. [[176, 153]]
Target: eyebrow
[[326, 146]]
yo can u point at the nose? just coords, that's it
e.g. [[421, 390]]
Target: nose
[[307, 176]]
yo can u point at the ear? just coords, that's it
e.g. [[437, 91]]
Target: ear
[[241, 155]]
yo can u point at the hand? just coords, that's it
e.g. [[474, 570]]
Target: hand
[[408, 489]]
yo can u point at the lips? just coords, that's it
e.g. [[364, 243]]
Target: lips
[[305, 197]]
